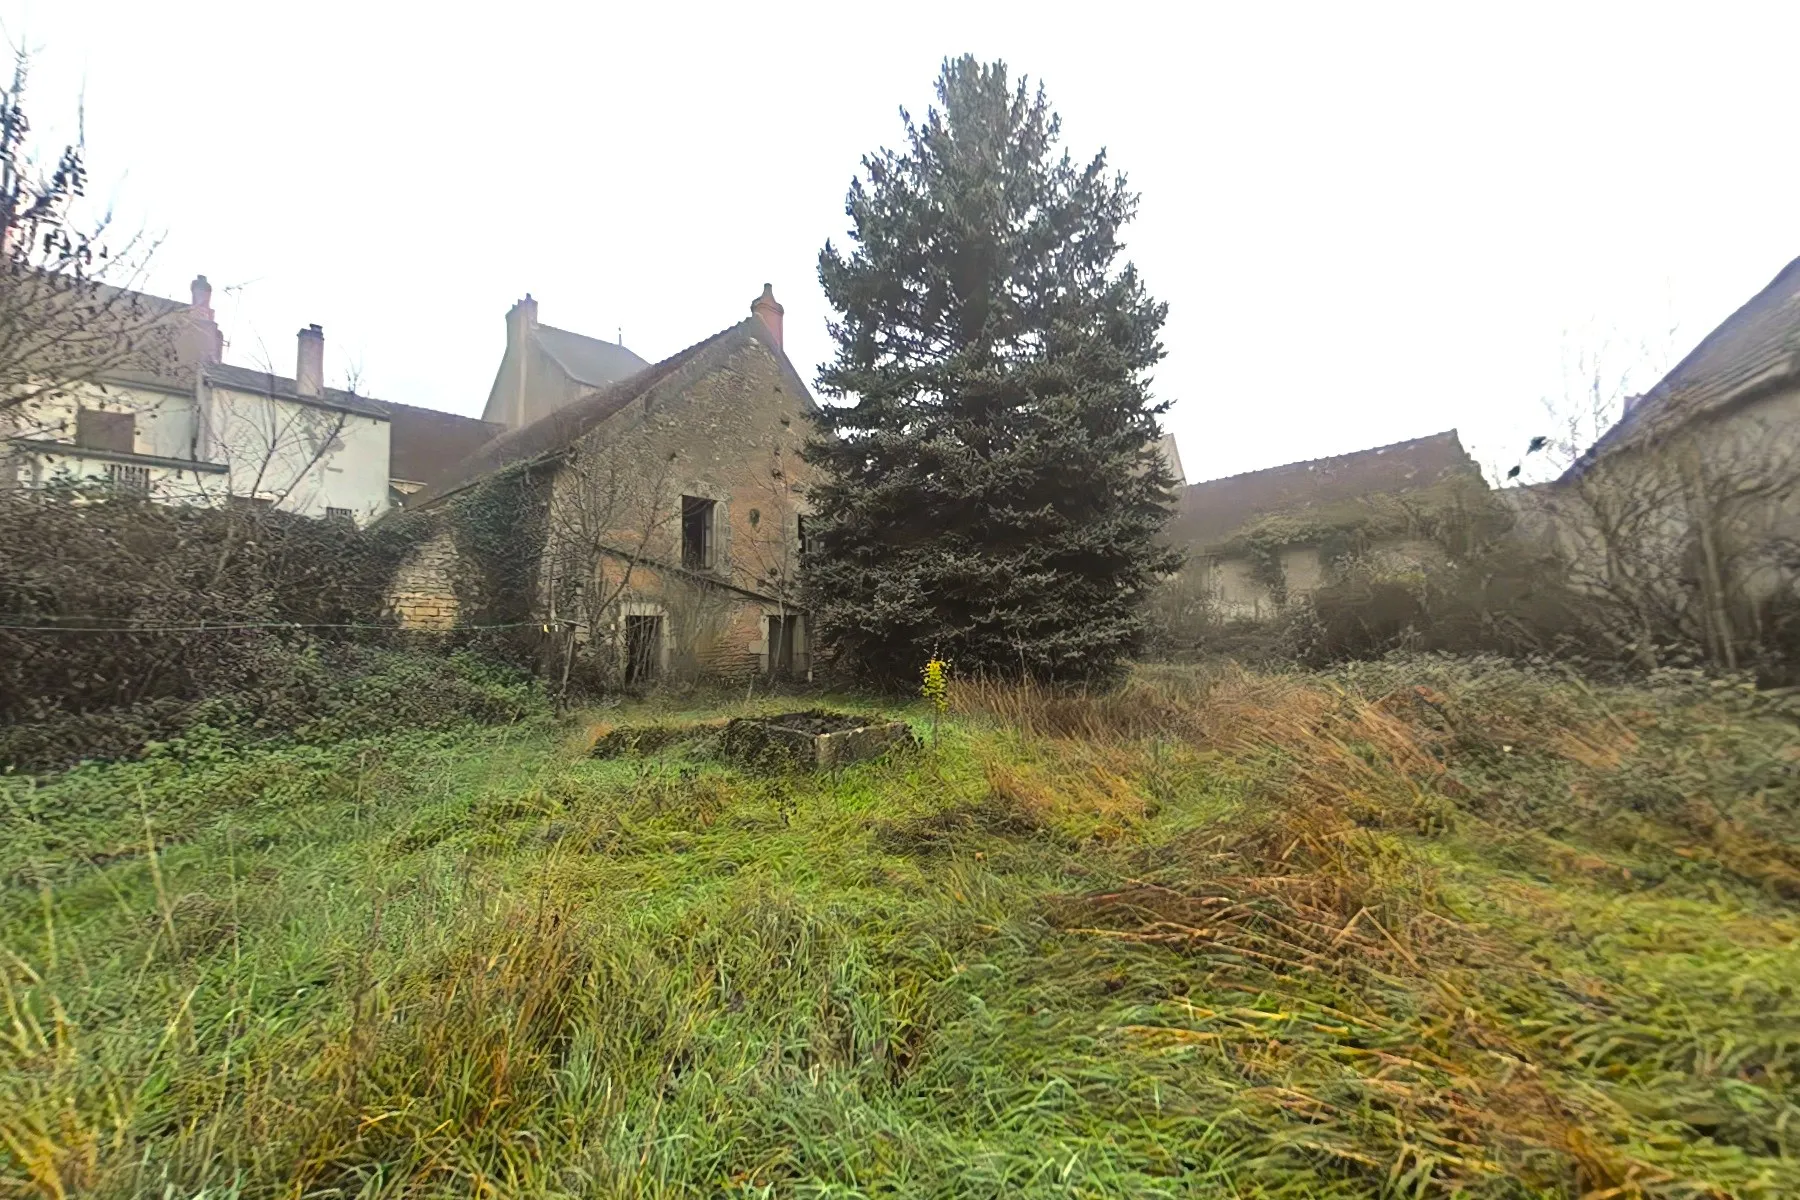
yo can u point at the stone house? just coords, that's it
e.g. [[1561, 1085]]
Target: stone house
[[664, 511], [1689, 505], [178, 424], [1257, 540]]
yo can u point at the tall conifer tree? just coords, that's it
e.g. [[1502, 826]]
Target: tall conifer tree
[[992, 489]]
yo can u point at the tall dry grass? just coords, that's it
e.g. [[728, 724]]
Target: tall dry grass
[[1216, 933], [1376, 1013]]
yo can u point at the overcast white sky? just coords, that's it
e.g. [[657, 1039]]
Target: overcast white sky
[[1371, 222]]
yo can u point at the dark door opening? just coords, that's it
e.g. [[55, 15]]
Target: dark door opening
[[783, 632], [696, 533], [643, 649]]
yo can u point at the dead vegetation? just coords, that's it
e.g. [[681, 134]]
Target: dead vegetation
[[1422, 927], [1386, 1021]]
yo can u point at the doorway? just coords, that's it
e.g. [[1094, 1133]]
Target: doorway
[[643, 649], [783, 632]]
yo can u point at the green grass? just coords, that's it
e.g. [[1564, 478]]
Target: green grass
[[1243, 936]]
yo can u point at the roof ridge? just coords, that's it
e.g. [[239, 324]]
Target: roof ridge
[[1715, 334], [286, 387], [436, 412], [576, 371], [582, 416], [1307, 462], [655, 373], [1757, 338], [577, 333]]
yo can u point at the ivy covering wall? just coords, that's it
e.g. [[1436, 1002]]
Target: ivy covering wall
[[498, 529], [1460, 517]]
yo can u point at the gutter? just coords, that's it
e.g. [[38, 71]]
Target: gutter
[[71, 450]]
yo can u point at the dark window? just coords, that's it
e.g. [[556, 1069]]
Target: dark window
[[643, 648], [129, 479], [98, 430], [783, 631], [800, 531], [697, 533], [340, 514]]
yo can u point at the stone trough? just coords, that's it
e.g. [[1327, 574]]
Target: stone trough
[[817, 740]]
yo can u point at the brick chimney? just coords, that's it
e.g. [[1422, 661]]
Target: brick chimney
[[208, 344], [309, 368], [770, 310]]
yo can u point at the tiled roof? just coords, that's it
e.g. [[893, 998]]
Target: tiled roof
[[1756, 346], [563, 427], [588, 360], [424, 444], [1217, 508], [265, 383]]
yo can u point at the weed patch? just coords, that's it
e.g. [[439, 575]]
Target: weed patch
[[1419, 927]]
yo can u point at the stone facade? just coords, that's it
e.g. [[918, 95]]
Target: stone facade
[[423, 592], [727, 436], [1299, 521], [673, 509]]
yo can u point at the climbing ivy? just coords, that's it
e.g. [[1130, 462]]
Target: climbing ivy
[[499, 528], [1459, 516], [1266, 567]]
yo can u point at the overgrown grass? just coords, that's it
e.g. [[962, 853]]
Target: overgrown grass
[[1427, 928]]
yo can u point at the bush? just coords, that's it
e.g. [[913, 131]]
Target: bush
[[1505, 601], [124, 622], [118, 574], [323, 694]]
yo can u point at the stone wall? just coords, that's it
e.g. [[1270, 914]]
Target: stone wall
[[730, 433], [422, 594], [712, 631], [726, 429]]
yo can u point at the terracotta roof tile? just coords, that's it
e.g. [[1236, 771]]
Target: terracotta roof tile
[[424, 444]]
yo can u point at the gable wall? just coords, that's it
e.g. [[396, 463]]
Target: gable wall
[[731, 434], [1758, 443], [529, 385]]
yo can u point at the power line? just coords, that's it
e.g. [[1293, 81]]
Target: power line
[[238, 626]]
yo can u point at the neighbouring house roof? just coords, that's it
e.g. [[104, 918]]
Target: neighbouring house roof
[[1213, 510], [265, 383], [1756, 347], [588, 360], [424, 444], [561, 428]]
